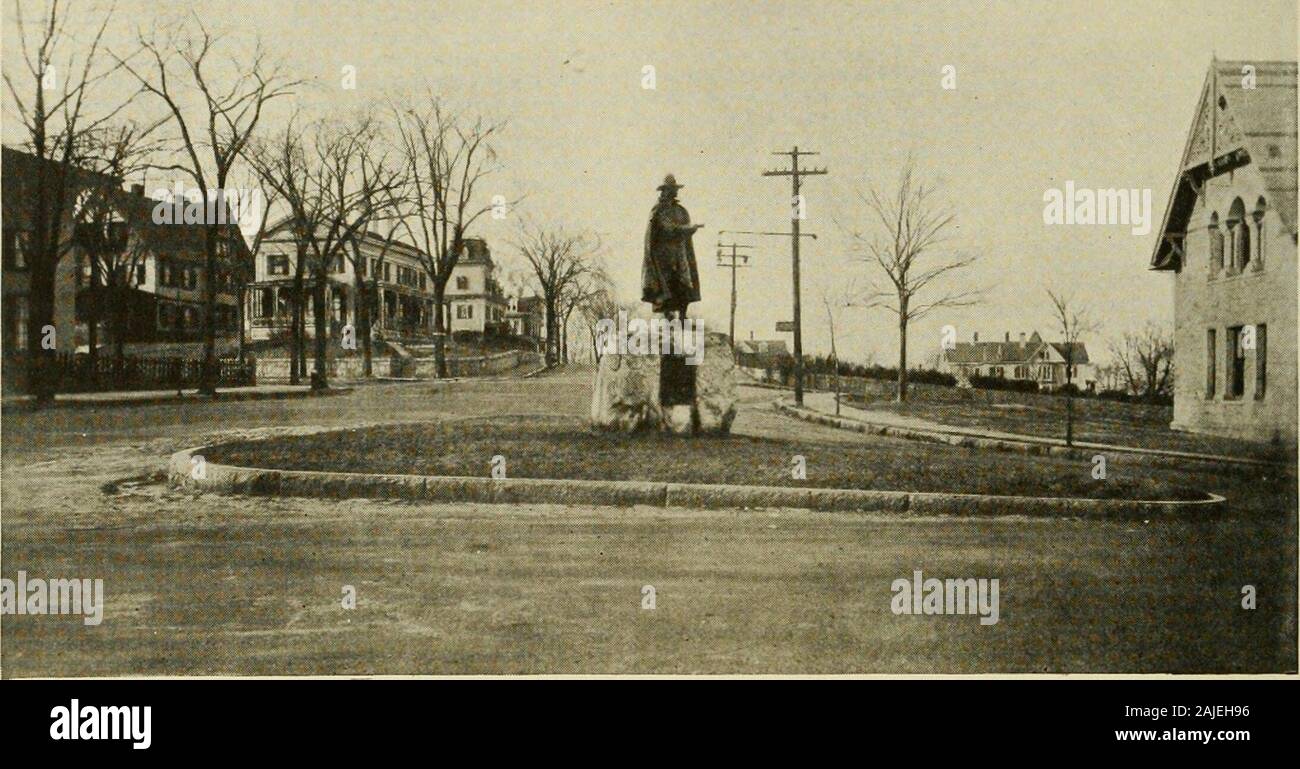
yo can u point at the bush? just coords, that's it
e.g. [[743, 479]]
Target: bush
[[1002, 383]]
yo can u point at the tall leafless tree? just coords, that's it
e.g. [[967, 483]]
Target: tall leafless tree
[[835, 301], [906, 238], [580, 292], [1145, 361], [1073, 322], [109, 228], [446, 156], [558, 259], [215, 107], [335, 192], [283, 166], [53, 97]]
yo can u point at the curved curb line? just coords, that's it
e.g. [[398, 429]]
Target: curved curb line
[[999, 444], [439, 488]]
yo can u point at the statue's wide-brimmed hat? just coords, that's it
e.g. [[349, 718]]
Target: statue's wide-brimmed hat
[[670, 183]]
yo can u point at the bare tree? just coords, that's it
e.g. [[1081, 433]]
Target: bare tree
[[243, 270], [52, 99], [283, 166], [836, 301], [1145, 361], [445, 157], [907, 242], [558, 259], [601, 304], [335, 192], [110, 230], [212, 137], [573, 296], [1073, 322], [381, 186]]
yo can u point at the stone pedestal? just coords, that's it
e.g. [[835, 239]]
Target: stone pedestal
[[699, 398]]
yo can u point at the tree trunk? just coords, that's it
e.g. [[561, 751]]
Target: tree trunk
[[121, 320], [92, 318], [47, 221], [208, 378], [363, 327], [297, 346], [902, 351], [564, 338], [320, 316], [439, 328], [1069, 405], [241, 294], [40, 361], [552, 331]]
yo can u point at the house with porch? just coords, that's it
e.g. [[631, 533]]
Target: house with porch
[[1051, 365]]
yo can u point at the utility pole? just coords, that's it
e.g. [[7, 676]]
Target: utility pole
[[734, 262], [797, 213]]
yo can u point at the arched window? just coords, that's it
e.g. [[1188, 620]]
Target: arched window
[[1238, 236], [1216, 244], [1261, 207]]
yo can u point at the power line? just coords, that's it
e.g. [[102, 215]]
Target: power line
[[796, 175], [734, 262]]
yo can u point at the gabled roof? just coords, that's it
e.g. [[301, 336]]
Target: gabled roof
[[762, 347], [178, 239], [530, 304], [1080, 351], [992, 352], [475, 251], [1254, 126], [21, 172], [1011, 353]]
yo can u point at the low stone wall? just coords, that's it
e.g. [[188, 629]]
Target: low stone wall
[[351, 369], [469, 366], [276, 370]]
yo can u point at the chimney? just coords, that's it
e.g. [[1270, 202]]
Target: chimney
[[751, 335], [137, 190], [975, 337], [1008, 337], [1022, 339]]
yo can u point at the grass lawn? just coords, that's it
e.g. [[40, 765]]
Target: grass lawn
[[1043, 416], [563, 447], [221, 584]]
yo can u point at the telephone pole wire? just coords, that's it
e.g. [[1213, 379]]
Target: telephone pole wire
[[734, 262], [797, 214]]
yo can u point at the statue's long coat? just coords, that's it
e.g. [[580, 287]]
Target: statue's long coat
[[670, 279]]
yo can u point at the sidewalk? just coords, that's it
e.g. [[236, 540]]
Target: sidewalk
[[823, 404], [12, 403]]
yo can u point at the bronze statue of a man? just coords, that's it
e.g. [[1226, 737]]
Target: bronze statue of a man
[[670, 279]]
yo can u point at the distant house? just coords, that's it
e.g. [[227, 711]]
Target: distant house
[[474, 299], [760, 354], [401, 293], [1229, 238], [526, 317], [163, 275], [148, 288], [395, 274], [1028, 359]]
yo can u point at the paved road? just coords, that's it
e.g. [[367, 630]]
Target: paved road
[[227, 585]]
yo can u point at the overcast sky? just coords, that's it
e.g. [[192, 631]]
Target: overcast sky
[[1101, 93]]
